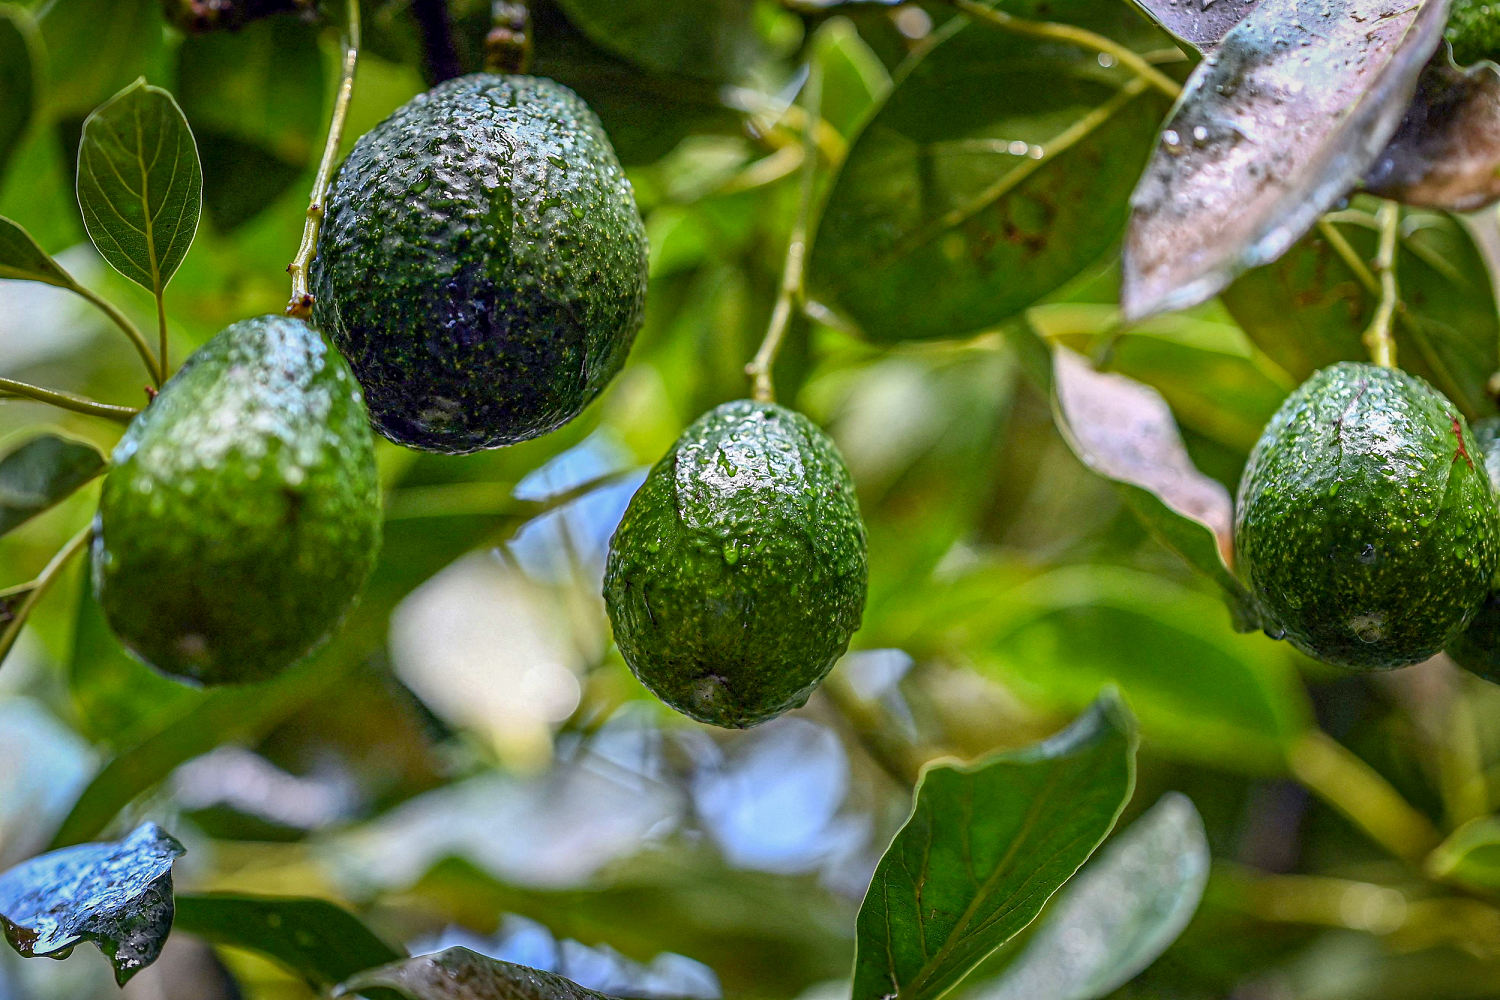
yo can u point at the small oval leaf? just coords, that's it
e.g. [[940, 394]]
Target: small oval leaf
[[1272, 129], [1446, 154], [21, 258], [117, 894], [986, 845], [140, 185], [42, 472]]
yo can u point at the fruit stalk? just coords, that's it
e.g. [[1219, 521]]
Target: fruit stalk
[[507, 48], [1377, 337], [435, 25], [300, 304]]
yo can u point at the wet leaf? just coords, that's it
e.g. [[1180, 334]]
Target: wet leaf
[[117, 895], [1309, 309], [1122, 911], [42, 472], [20, 59], [140, 185], [1201, 25], [1446, 154], [1272, 129], [461, 974], [1125, 432], [1470, 856], [21, 258], [953, 213], [323, 943], [986, 845]]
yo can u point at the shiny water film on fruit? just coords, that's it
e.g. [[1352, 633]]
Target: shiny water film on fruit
[[737, 575], [241, 516], [1365, 523], [483, 263]]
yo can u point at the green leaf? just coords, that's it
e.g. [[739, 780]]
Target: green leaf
[[323, 943], [20, 57], [1309, 309], [710, 39], [986, 845], [116, 894], [1297, 102], [1122, 911], [41, 473], [1470, 856], [854, 78], [21, 258], [82, 68], [140, 185], [1446, 154], [956, 210], [460, 974]]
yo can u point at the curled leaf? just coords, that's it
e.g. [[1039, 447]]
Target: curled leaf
[[1276, 125], [1202, 25], [22, 259], [116, 894], [461, 974], [1446, 154]]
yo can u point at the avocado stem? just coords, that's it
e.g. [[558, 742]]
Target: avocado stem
[[301, 302], [507, 48], [1378, 338], [67, 401]]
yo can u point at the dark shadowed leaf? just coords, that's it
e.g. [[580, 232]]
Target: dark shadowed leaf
[[1470, 856], [954, 211], [42, 472], [117, 895], [1280, 123], [82, 69], [19, 61], [986, 845], [461, 974], [21, 258], [1125, 432], [713, 39], [1122, 911], [140, 185], [1446, 154], [1309, 309], [323, 943], [1201, 25]]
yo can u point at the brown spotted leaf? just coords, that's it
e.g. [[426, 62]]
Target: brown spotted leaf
[[1446, 154], [1276, 125], [461, 974]]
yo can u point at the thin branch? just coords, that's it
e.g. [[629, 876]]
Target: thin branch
[[1378, 339], [67, 401], [301, 301], [119, 319], [38, 588], [161, 329], [435, 25]]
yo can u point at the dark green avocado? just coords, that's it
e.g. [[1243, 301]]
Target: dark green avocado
[[1365, 526], [737, 574], [482, 264], [241, 514], [1474, 31], [1477, 648]]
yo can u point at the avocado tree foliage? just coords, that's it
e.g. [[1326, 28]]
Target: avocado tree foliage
[[943, 371]]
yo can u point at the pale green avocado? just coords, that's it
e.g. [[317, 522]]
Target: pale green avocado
[[241, 515]]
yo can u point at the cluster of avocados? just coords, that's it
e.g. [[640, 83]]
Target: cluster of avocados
[[481, 274], [1367, 526]]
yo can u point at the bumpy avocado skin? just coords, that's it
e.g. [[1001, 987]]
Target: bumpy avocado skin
[[1365, 526], [482, 264], [737, 574], [241, 515], [1474, 31], [1477, 648]]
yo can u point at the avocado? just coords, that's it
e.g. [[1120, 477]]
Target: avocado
[[1365, 526], [737, 575], [1473, 31], [1477, 648], [482, 264], [241, 514]]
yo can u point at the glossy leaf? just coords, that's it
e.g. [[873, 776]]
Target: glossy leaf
[[21, 258], [117, 895], [1446, 154], [953, 213], [1309, 309], [986, 845], [323, 943], [1470, 856], [140, 185], [461, 974], [20, 58], [42, 472], [81, 69], [1119, 914], [714, 39], [1280, 123], [1201, 25]]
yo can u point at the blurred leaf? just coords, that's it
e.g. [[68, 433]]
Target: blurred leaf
[[1293, 108], [1201, 25], [710, 39], [321, 942], [140, 184], [854, 78], [986, 845], [1119, 914], [94, 47], [461, 974], [20, 60], [1309, 309], [1446, 154], [953, 212], [117, 895], [1124, 431], [1470, 856], [21, 258], [254, 99], [42, 472]]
